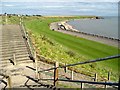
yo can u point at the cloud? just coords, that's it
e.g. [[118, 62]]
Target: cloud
[[60, 0], [8, 5]]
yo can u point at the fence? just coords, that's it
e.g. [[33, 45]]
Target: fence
[[82, 82], [56, 78], [30, 48]]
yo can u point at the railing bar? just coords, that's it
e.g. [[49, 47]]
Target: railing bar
[[28, 42], [47, 69], [86, 62], [90, 82], [92, 61], [80, 81]]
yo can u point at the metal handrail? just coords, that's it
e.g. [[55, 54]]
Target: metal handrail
[[83, 81], [78, 81], [91, 82], [86, 62], [30, 47]]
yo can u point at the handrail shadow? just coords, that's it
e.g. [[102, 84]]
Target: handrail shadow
[[37, 81]]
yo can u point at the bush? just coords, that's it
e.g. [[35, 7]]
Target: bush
[[70, 53]]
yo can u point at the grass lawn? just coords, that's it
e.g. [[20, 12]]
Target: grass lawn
[[64, 45]]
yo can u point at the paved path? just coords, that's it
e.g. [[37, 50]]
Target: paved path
[[89, 37]]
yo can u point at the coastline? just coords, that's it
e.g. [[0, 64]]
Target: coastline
[[68, 29]]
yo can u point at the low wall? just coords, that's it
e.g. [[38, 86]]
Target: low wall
[[70, 28]]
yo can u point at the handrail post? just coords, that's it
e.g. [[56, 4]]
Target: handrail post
[[119, 83], [105, 85], [82, 86], [71, 74], [6, 18], [14, 59], [108, 76], [66, 68], [9, 82], [36, 65], [95, 79], [56, 74]]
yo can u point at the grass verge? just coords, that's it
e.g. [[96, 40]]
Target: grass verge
[[70, 49]]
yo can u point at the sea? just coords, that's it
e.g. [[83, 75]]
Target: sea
[[105, 27]]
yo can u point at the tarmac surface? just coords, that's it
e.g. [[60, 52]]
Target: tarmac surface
[[115, 43]]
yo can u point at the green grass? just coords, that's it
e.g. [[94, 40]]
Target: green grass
[[70, 49], [10, 20], [83, 47]]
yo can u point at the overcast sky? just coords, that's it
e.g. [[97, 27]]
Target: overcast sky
[[59, 0]]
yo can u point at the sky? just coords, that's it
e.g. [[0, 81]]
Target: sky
[[59, 0], [67, 7]]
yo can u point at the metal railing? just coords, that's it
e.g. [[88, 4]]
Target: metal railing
[[86, 62], [30, 48], [56, 78]]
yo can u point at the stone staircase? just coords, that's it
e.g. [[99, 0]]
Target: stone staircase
[[15, 59], [13, 46], [14, 56]]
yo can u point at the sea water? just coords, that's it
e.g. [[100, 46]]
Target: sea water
[[103, 27]]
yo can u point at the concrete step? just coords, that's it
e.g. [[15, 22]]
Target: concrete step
[[17, 56], [12, 39], [14, 45], [11, 52], [10, 42], [6, 36], [11, 36], [17, 59], [9, 39], [5, 64], [8, 46], [18, 34], [25, 60], [14, 48]]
